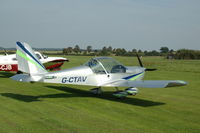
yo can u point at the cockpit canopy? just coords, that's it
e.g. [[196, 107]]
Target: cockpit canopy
[[105, 65], [41, 56]]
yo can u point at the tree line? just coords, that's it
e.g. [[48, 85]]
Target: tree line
[[108, 51], [187, 54]]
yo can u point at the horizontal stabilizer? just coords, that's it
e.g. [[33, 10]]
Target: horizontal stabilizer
[[27, 78]]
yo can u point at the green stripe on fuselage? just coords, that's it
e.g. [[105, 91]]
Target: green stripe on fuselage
[[134, 78], [28, 59]]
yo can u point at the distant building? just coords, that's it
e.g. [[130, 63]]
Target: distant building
[[171, 55]]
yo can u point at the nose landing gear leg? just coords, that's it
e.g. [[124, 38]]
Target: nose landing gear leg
[[96, 91]]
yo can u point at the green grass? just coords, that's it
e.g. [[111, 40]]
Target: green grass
[[39, 107]]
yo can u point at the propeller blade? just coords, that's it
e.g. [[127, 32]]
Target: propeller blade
[[139, 60], [149, 69], [5, 51]]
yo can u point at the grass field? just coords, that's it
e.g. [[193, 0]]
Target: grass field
[[39, 107]]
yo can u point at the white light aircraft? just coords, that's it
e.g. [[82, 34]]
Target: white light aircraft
[[99, 71]]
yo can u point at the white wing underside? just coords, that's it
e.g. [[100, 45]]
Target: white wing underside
[[145, 83]]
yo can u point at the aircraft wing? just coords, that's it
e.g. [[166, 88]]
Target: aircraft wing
[[156, 83], [147, 83]]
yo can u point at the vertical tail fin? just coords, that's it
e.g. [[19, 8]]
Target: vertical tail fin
[[27, 60]]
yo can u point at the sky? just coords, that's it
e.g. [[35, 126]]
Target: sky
[[129, 24]]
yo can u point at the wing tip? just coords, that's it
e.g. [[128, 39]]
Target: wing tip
[[176, 83]]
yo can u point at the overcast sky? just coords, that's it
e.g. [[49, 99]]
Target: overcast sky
[[140, 24]]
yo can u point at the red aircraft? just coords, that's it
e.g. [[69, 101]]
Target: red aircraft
[[9, 62]]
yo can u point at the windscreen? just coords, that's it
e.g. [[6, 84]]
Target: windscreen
[[105, 65]]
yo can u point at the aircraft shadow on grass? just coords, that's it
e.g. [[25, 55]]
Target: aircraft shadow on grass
[[73, 92], [6, 74]]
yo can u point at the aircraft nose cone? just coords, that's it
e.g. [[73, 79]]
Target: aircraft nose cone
[[142, 69]]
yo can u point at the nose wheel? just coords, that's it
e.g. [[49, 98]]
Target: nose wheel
[[122, 94], [132, 91], [119, 94]]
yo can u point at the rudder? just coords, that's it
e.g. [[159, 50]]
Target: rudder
[[27, 60]]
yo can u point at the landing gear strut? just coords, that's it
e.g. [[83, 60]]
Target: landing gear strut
[[117, 89], [96, 91], [120, 94]]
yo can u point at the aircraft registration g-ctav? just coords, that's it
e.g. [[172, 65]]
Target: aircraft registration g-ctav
[[10, 63], [99, 71]]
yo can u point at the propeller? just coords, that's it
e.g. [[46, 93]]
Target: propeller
[[140, 62], [5, 51]]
